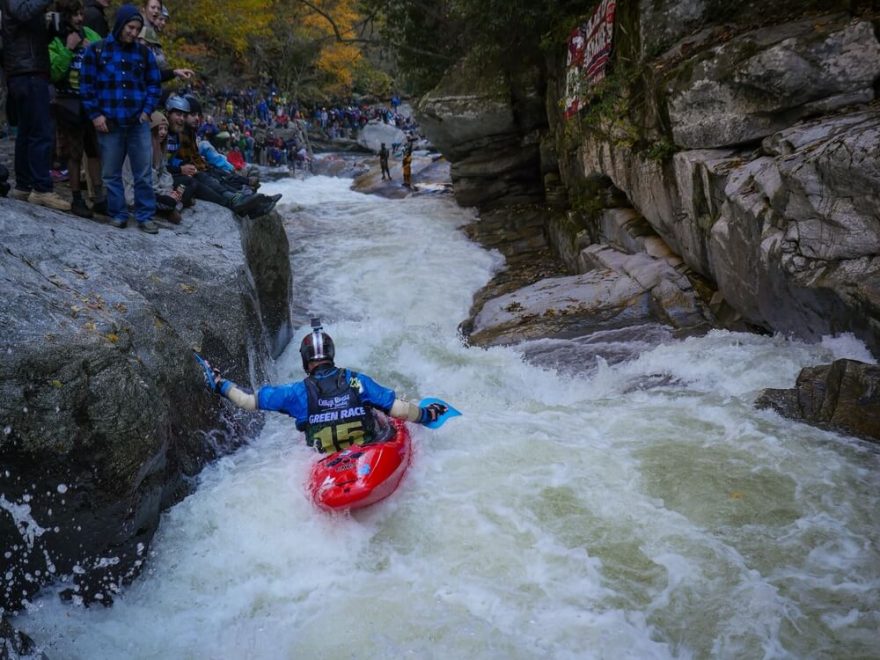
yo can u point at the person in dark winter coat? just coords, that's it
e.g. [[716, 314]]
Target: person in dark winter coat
[[26, 63], [95, 18]]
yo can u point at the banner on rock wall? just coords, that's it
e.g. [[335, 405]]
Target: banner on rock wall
[[589, 50]]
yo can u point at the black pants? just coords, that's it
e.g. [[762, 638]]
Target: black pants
[[207, 188]]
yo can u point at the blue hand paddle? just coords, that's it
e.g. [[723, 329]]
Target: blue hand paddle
[[208, 373], [441, 420]]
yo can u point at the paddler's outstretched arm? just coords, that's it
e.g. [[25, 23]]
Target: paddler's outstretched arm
[[413, 413], [241, 397]]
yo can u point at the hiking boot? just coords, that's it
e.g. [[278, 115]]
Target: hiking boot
[[100, 207], [265, 207], [119, 223], [79, 207], [174, 217], [49, 200], [245, 205], [148, 227], [20, 195]]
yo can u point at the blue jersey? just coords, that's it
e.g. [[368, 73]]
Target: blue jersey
[[293, 398]]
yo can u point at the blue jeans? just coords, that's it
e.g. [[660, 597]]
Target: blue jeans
[[132, 141], [29, 96]]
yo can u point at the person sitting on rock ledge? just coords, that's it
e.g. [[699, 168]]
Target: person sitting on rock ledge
[[170, 198], [186, 165], [332, 406]]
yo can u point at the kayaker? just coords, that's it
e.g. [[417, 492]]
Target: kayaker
[[332, 406]]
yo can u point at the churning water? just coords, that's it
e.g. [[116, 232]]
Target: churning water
[[633, 506]]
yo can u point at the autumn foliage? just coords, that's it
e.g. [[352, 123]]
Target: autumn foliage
[[313, 49]]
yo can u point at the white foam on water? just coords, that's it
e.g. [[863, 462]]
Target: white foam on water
[[642, 509]]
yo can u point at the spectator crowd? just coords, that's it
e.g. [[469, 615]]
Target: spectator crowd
[[84, 93]]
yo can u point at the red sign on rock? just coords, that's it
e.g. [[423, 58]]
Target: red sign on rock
[[589, 50]]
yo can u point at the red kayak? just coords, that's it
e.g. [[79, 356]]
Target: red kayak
[[361, 475]]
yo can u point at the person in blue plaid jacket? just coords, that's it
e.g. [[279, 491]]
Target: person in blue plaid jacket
[[120, 88]]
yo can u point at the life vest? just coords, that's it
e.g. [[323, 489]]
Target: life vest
[[338, 417]]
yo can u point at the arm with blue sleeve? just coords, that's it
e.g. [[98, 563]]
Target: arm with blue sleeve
[[280, 399], [292, 398], [214, 157]]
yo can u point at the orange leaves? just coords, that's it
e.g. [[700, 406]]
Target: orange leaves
[[299, 43]]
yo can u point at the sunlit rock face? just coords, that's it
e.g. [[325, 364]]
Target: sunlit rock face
[[769, 185], [488, 126], [763, 81], [105, 415]]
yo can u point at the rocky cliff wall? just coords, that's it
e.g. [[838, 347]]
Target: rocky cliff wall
[[742, 134], [767, 180], [105, 419]]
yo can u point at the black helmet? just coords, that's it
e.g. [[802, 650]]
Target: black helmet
[[316, 346], [194, 104]]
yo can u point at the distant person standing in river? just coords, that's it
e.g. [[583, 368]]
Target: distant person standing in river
[[407, 164], [383, 161]]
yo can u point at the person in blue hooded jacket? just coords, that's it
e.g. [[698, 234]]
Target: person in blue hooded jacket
[[120, 88]]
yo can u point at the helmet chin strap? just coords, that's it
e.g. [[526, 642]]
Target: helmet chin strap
[[313, 365]]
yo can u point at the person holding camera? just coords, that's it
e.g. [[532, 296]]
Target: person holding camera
[[26, 62], [75, 131]]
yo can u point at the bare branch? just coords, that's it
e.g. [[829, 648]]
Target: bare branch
[[339, 36]]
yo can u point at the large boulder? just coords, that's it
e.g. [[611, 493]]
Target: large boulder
[[374, 134], [762, 81], [613, 290], [795, 245], [663, 23], [487, 126], [105, 416], [788, 233], [843, 396]]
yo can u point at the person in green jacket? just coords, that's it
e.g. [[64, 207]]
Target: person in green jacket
[[75, 132]]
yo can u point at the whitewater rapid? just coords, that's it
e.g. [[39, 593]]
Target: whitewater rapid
[[635, 505]]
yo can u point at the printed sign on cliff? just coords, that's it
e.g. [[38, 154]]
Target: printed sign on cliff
[[589, 49]]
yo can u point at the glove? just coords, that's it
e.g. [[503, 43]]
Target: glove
[[431, 413], [213, 380]]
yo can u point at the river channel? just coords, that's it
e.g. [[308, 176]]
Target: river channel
[[610, 497]]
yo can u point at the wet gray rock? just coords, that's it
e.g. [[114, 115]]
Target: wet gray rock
[[15, 645], [614, 290], [788, 233], [375, 133], [663, 23], [487, 126], [105, 416], [843, 396], [763, 81]]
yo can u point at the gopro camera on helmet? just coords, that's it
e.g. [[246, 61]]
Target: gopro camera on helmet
[[317, 346], [53, 22]]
